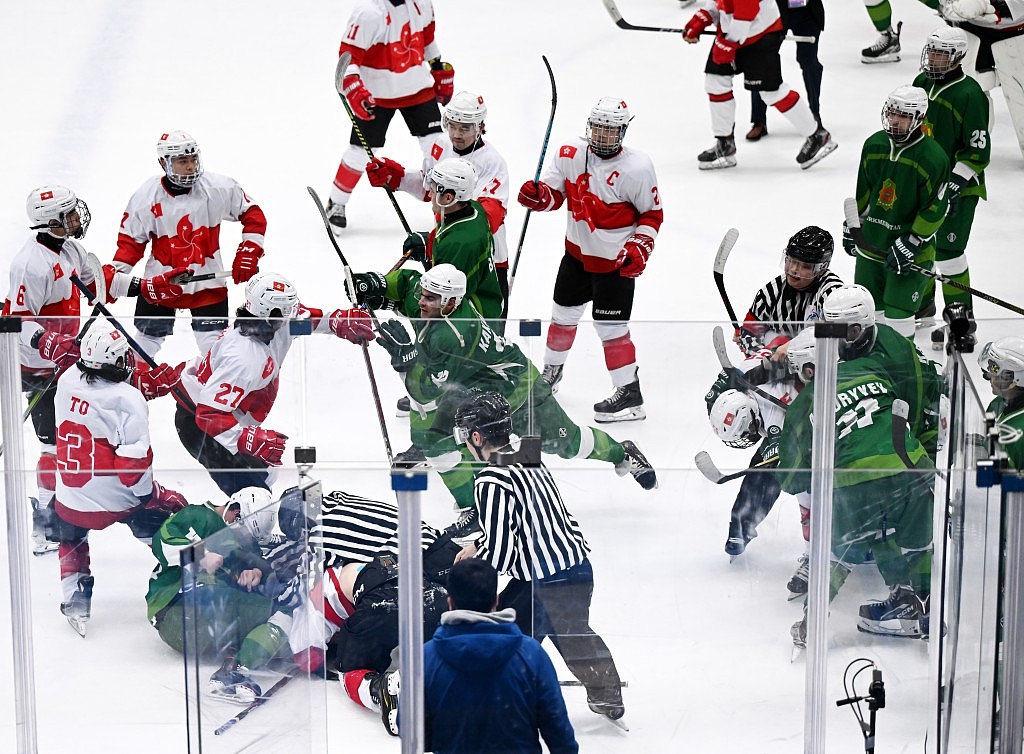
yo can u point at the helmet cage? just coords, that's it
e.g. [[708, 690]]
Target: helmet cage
[[606, 126], [175, 145], [736, 419], [943, 51], [903, 113], [53, 207], [1002, 363], [105, 353]]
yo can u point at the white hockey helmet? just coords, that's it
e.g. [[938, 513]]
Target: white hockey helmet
[[453, 175], [606, 126], [943, 51], [105, 351], [257, 511], [736, 419], [270, 295], [465, 107], [1002, 363], [854, 305], [446, 280], [800, 355], [179, 144], [52, 207], [903, 112]]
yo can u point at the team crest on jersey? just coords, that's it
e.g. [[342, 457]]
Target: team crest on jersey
[[268, 368], [887, 194], [58, 273], [188, 245], [156, 210], [568, 151], [435, 151], [407, 52]]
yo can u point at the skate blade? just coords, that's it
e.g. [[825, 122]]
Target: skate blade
[[620, 723], [795, 596], [229, 696], [44, 548], [720, 164], [797, 653], [626, 415], [893, 58], [78, 624], [905, 631], [824, 152]]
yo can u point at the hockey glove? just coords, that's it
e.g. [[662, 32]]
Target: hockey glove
[[633, 256], [959, 11], [58, 348], [161, 289], [955, 186], [264, 444], [849, 245], [358, 96], [397, 341], [536, 196], [723, 51], [444, 80], [415, 246], [371, 288], [158, 381], [901, 253], [380, 171], [700, 21], [247, 261], [351, 324], [749, 343], [165, 500]]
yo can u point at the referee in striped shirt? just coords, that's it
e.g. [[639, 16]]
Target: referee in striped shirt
[[529, 535]]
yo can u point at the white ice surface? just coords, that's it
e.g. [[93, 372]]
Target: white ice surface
[[704, 645]]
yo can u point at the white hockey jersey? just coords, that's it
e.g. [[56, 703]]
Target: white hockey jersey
[[745, 21], [185, 232], [390, 46], [41, 291], [491, 186], [608, 200], [104, 456]]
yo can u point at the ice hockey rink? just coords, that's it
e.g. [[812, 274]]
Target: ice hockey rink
[[703, 643]]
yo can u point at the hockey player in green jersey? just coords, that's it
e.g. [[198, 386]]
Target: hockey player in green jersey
[[901, 199], [454, 351], [1002, 364], [958, 117]]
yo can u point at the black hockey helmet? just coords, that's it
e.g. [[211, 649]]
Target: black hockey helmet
[[813, 245], [487, 413]]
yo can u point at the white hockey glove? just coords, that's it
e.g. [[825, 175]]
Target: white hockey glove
[[968, 10]]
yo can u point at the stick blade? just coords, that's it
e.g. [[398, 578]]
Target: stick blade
[[850, 212], [96, 269], [728, 241], [339, 72], [901, 409], [707, 467], [718, 339]]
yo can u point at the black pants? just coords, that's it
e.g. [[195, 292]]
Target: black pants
[[229, 471], [802, 22], [422, 119], [558, 608], [158, 321], [43, 415]]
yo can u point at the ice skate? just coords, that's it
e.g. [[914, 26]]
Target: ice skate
[[403, 407], [636, 464], [553, 375], [816, 147], [797, 585], [626, 404], [899, 615], [390, 688], [233, 683], [336, 215], [886, 49], [722, 154], [77, 609], [41, 518], [736, 542], [412, 458], [798, 632], [465, 531], [612, 711]]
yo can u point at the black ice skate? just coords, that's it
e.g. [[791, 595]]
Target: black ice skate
[[816, 147], [232, 682], [336, 215], [78, 608], [886, 49], [613, 711], [722, 154], [636, 464], [466, 530], [42, 518], [626, 404], [412, 458], [390, 688], [403, 407], [739, 537], [797, 585], [553, 375], [900, 615]]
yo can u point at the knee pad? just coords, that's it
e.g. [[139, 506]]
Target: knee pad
[[611, 330], [567, 315]]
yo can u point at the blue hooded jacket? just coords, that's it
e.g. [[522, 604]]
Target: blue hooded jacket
[[489, 688]]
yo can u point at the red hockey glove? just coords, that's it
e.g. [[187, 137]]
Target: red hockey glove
[[161, 289], [380, 171], [352, 324], [247, 261], [163, 499], [723, 51], [536, 196], [264, 444], [444, 81], [359, 97], [700, 21], [58, 348], [633, 257], [158, 381]]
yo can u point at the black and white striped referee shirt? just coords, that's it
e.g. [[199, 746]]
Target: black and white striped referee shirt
[[527, 531], [786, 310]]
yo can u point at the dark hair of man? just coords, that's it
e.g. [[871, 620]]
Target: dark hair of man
[[473, 585]]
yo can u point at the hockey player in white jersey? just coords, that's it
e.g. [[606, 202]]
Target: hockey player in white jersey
[[179, 213], [614, 214], [464, 128], [234, 384], [104, 461]]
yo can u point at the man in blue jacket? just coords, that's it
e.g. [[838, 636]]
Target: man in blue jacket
[[487, 687]]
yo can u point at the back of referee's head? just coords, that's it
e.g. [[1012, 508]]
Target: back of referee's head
[[473, 585]]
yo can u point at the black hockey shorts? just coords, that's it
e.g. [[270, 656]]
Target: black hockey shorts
[[611, 294], [44, 420], [759, 63], [158, 321], [229, 471], [422, 119]]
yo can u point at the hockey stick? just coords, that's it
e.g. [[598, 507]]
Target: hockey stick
[[258, 701], [373, 318], [187, 277], [853, 223], [622, 23], [574, 682], [724, 249], [718, 337], [707, 467], [339, 87], [900, 414], [536, 177]]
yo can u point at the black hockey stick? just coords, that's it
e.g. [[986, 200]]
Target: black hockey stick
[[718, 337], [536, 178], [373, 318], [724, 249], [622, 23], [853, 223], [339, 87], [258, 701]]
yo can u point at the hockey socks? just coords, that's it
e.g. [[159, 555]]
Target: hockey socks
[[261, 644]]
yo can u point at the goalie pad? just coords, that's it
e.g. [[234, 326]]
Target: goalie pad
[[1009, 57]]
